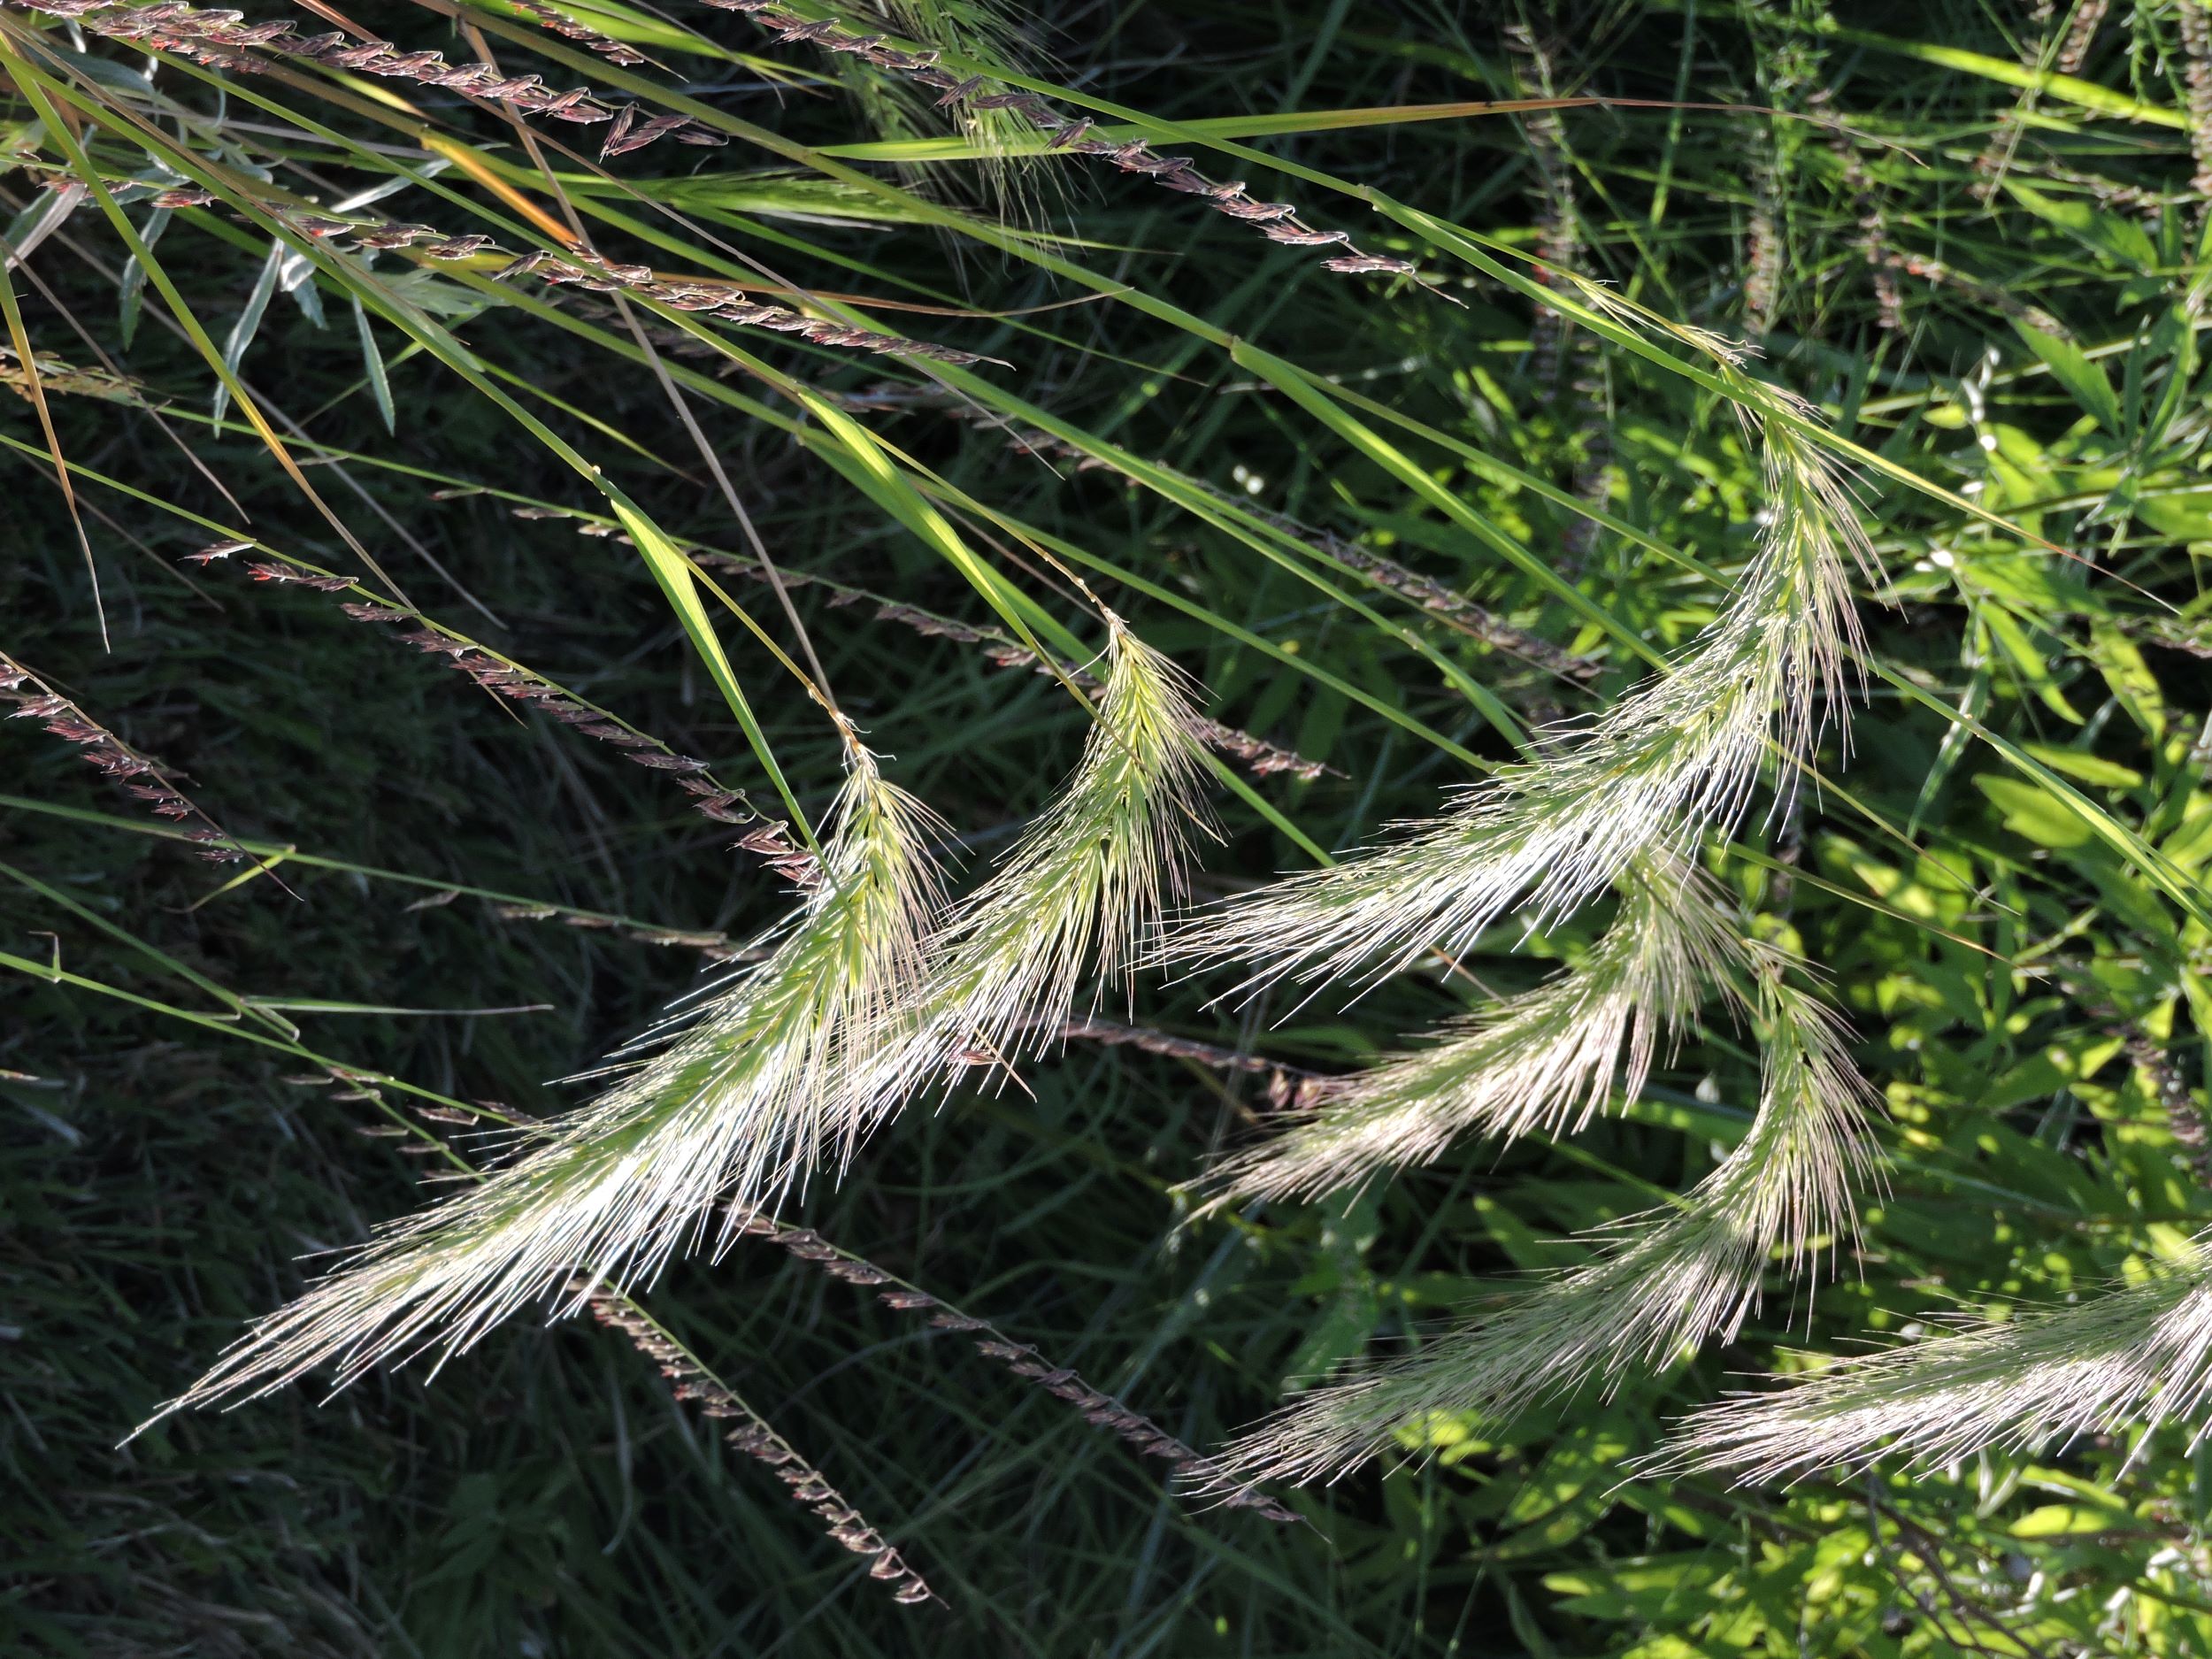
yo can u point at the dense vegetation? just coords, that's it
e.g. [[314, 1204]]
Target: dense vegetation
[[436, 618]]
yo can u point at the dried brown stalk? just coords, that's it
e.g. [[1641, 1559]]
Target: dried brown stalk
[[1558, 229], [720, 301], [137, 774], [1996, 155], [56, 376], [1100, 1409], [2185, 1121], [222, 39], [1873, 236], [710, 798], [2087, 16], [560, 23], [2196, 47], [715, 298], [1288, 1086], [1565, 363], [1278, 221], [751, 1435]]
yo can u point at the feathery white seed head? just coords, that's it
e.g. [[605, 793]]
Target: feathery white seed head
[[1089, 877], [1668, 1284], [2142, 1354], [742, 1099], [868, 996], [1545, 1060], [1675, 759]]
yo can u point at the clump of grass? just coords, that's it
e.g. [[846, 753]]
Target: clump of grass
[[1659, 769], [564, 287], [872, 994]]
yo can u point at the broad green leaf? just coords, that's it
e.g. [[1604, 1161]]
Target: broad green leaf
[[2190, 846], [2028, 661], [2035, 814], [2184, 514], [2072, 368], [2058, 1520], [2090, 769], [2102, 229]]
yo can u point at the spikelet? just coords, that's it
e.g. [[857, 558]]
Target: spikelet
[[1668, 1284], [2140, 1355], [1674, 759], [744, 1098], [1542, 1062], [1086, 879]]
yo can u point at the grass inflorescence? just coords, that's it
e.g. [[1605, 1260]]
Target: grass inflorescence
[[1419, 733]]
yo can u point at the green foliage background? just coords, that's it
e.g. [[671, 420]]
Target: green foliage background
[[1991, 281]]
